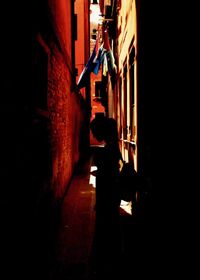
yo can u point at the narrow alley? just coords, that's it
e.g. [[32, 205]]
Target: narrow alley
[[61, 245], [71, 252], [65, 64]]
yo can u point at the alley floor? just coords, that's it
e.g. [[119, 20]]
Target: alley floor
[[61, 243], [70, 253], [76, 230], [74, 249]]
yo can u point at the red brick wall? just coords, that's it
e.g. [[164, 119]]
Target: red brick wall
[[61, 18], [64, 106], [65, 119]]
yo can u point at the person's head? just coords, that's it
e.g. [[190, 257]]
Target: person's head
[[97, 127], [104, 129]]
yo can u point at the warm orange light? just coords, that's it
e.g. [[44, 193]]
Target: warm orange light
[[126, 206], [92, 180]]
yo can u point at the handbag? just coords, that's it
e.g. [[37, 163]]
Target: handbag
[[128, 182]]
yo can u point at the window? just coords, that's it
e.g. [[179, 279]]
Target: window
[[132, 93], [120, 106], [125, 103], [98, 89], [74, 29]]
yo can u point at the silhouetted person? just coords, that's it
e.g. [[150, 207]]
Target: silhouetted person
[[107, 195]]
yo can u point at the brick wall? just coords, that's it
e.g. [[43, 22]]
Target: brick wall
[[40, 120], [65, 122]]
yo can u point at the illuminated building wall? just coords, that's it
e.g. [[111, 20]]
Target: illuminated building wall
[[127, 78]]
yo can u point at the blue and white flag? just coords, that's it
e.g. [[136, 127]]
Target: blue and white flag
[[83, 79]]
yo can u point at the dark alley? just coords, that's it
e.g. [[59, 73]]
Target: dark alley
[[88, 89], [51, 90]]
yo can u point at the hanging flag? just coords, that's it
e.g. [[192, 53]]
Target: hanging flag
[[99, 59], [111, 62], [93, 63], [100, 55], [105, 65], [83, 79], [109, 55]]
